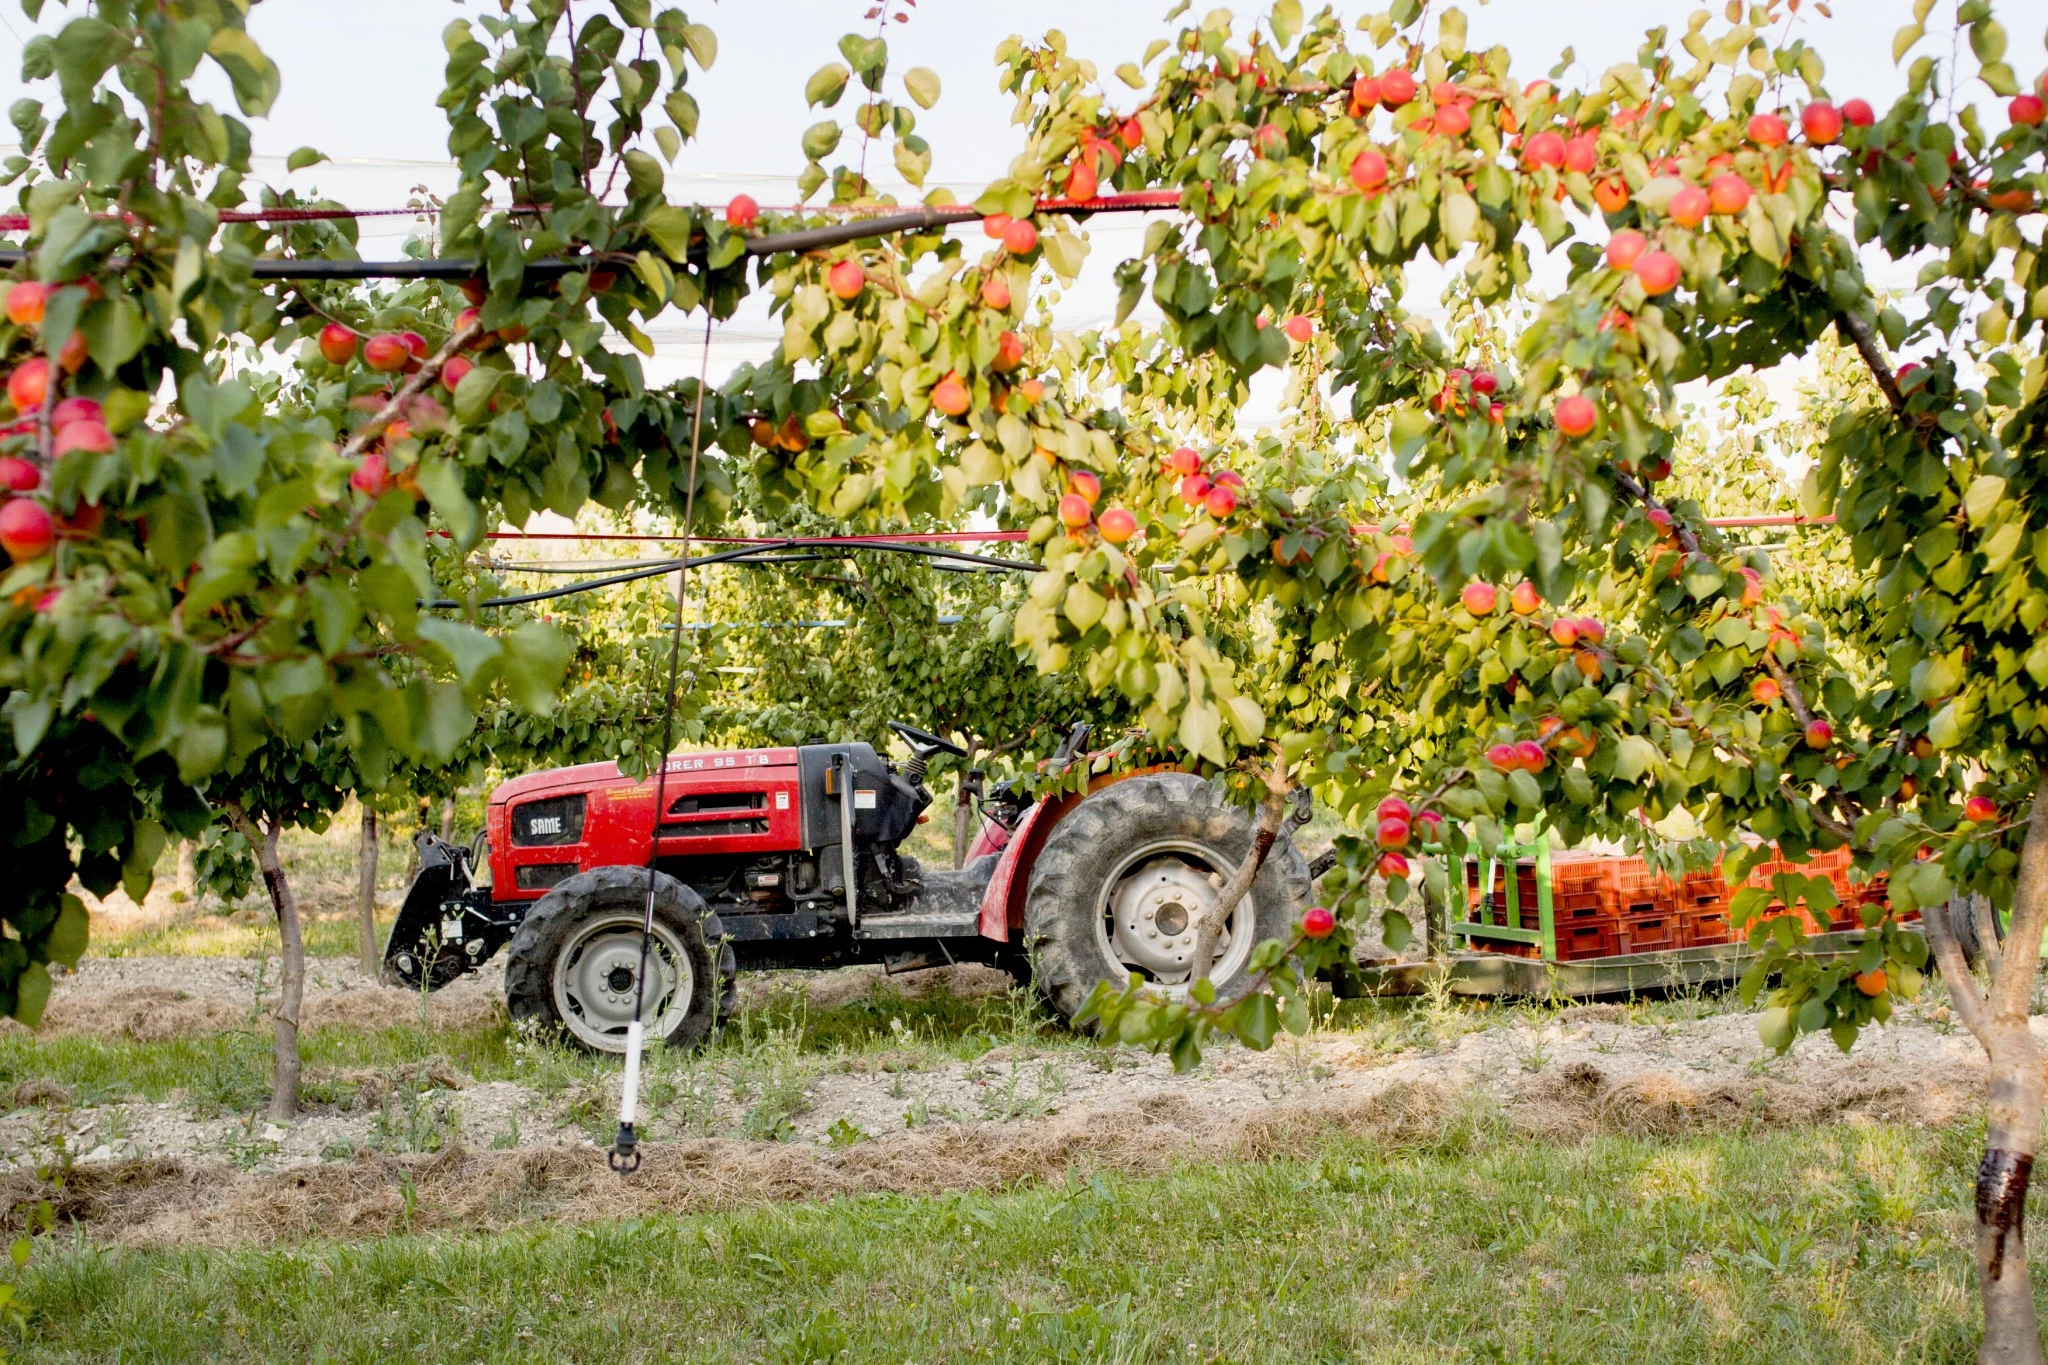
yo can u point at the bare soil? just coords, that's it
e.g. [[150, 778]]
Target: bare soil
[[166, 1173]]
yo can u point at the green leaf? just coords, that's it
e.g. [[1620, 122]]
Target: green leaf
[[201, 747], [826, 85], [31, 994], [922, 84], [469, 649], [68, 937], [473, 394], [1395, 930], [669, 228], [1774, 1028], [441, 481], [1084, 606], [1987, 40], [869, 57], [1451, 32], [1633, 757], [1945, 727], [304, 157], [703, 44], [443, 721], [1983, 497], [31, 720], [82, 52], [536, 656], [1256, 1020], [644, 177], [820, 139], [1286, 21], [253, 75], [1065, 252], [682, 111], [913, 160]]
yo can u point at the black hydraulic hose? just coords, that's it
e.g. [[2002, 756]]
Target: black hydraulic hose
[[464, 267], [610, 580], [755, 555]]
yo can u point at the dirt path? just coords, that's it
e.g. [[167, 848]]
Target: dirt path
[[900, 1120]]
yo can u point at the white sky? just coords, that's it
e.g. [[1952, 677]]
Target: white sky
[[360, 78]]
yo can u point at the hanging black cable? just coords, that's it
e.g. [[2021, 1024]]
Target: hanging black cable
[[758, 555]]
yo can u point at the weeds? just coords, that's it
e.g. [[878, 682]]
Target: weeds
[[416, 1116]]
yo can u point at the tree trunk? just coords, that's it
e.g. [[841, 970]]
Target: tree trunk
[[284, 1085], [965, 807], [412, 860], [448, 821], [1272, 813], [366, 893], [1999, 1019], [188, 869]]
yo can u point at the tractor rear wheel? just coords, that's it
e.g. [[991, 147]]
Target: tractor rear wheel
[[575, 961], [1124, 878]]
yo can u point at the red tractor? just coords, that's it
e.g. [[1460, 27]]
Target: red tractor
[[780, 858]]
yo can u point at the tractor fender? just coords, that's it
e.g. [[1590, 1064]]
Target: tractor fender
[[1002, 905]]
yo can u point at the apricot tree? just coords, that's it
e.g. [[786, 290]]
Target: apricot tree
[[1505, 615]]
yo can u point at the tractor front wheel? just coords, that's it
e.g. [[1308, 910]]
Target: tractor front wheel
[[1124, 879], [575, 962]]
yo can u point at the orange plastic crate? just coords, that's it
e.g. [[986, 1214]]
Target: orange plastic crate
[[1585, 939], [1650, 933], [1704, 926]]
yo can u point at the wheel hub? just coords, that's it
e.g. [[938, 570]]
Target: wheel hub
[[597, 980], [1155, 913]]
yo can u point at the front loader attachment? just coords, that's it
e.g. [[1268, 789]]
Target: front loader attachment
[[447, 927]]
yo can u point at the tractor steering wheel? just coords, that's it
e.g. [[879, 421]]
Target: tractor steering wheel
[[925, 741]]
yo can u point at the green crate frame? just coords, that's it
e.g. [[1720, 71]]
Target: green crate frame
[[1510, 930]]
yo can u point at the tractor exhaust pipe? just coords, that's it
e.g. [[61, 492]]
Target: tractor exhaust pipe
[[848, 869]]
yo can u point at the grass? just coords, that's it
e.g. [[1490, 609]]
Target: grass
[[1836, 1245], [323, 868]]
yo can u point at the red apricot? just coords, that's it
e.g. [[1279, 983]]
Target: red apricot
[[1821, 122], [1575, 414], [1625, 248], [846, 279], [26, 529], [25, 302]]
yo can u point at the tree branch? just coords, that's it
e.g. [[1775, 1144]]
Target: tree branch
[[412, 388], [1964, 996], [1272, 813], [1873, 357], [1833, 825]]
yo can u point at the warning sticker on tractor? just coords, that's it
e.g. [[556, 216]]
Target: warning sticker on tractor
[[782, 800], [863, 800]]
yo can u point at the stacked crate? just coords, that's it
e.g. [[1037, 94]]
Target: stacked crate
[[1645, 907], [1580, 907], [1605, 906], [1702, 900]]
